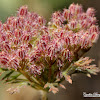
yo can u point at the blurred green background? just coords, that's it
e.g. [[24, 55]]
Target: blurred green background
[[81, 83], [43, 7]]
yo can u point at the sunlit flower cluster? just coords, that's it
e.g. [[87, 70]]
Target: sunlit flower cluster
[[46, 50]]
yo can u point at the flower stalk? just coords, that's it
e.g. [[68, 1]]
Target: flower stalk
[[43, 95]]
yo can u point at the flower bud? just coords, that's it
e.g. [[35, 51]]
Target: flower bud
[[84, 24], [4, 61], [75, 9], [41, 21], [67, 14], [14, 64], [16, 41], [90, 12], [17, 33], [94, 37], [6, 47], [23, 11], [93, 29], [72, 24], [22, 54]]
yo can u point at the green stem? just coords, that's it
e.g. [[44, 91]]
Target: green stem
[[50, 72], [32, 82], [43, 95], [70, 70]]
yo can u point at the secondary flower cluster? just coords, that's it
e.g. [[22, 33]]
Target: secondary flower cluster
[[30, 46]]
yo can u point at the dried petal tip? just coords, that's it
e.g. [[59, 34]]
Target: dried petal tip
[[62, 86], [53, 89], [68, 78]]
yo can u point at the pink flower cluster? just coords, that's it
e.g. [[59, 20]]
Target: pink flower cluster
[[27, 43]]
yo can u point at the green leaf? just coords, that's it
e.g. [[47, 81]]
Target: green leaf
[[7, 74], [18, 81], [14, 77]]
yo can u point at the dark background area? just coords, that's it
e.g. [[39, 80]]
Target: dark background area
[[81, 83]]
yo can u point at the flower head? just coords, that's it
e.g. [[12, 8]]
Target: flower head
[[44, 53]]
